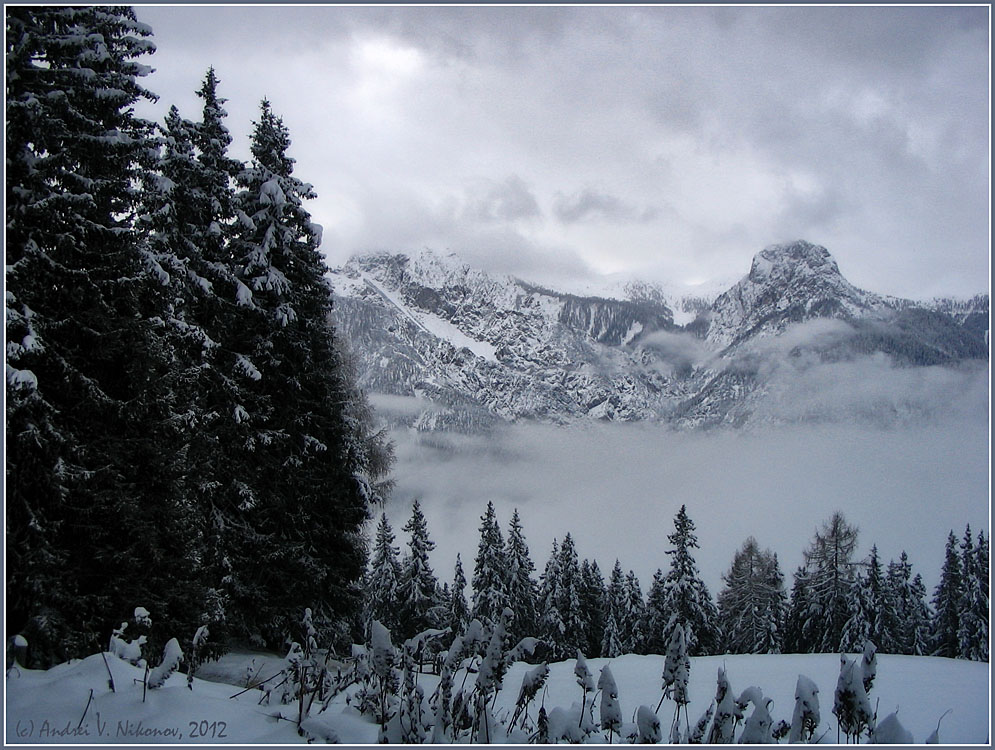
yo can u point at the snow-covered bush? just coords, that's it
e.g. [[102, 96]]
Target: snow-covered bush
[[806, 717], [611, 711], [724, 724], [852, 706], [196, 651], [889, 731], [172, 655], [648, 724]]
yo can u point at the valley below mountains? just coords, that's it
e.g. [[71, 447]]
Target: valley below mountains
[[440, 346]]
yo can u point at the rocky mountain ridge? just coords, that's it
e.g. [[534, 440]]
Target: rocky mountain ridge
[[455, 348]]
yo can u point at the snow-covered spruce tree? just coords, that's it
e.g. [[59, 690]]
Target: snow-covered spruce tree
[[418, 589], [568, 601], [551, 625], [873, 611], [974, 626], [615, 598], [592, 602], [947, 603], [307, 501], [685, 595], [459, 610], [633, 637], [820, 596], [91, 417], [521, 586], [490, 583], [752, 605], [611, 643], [382, 578], [972, 632], [912, 616], [656, 617]]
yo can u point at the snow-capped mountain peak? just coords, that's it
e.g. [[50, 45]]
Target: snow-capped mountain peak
[[787, 284]]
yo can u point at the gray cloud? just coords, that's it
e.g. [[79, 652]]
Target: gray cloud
[[863, 129], [491, 201], [590, 204]]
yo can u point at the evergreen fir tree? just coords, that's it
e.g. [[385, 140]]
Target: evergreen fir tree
[[568, 601], [91, 420], [459, 610], [920, 622], [658, 618], [551, 625], [417, 589], [972, 632], [592, 602], [383, 579], [490, 583], [751, 606], [305, 501], [799, 627], [611, 643], [633, 636], [947, 603], [882, 608], [521, 587], [686, 596], [615, 604]]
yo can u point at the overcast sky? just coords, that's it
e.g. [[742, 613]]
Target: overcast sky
[[673, 143]]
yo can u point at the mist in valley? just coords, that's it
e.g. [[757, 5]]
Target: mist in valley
[[902, 452]]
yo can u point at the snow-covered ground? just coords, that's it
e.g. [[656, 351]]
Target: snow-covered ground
[[52, 706]]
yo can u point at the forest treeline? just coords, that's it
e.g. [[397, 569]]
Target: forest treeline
[[837, 601]]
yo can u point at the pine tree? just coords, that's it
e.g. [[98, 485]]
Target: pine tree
[[752, 605], [686, 596], [568, 602], [551, 625], [947, 603], [972, 632], [383, 578], [911, 623], [417, 589], [799, 627], [521, 587], [592, 602], [91, 420], [490, 583], [633, 636], [658, 618], [459, 610], [305, 502], [615, 602]]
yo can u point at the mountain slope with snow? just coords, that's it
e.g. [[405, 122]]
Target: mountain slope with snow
[[475, 348]]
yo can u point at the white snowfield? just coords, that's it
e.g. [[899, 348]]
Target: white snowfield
[[52, 706]]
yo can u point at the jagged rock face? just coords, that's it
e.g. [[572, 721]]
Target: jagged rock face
[[477, 349], [787, 284], [487, 347]]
